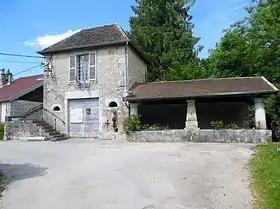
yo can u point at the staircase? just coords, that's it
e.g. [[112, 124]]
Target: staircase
[[49, 132]]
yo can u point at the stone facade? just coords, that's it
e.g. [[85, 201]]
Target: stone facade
[[117, 69], [22, 129], [216, 136]]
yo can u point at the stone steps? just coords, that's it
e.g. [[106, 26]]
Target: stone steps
[[49, 132]]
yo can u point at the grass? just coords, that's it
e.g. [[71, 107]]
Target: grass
[[265, 168]]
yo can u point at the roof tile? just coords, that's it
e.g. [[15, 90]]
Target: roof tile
[[201, 88], [19, 86], [91, 37]]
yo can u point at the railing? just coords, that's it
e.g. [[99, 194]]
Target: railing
[[32, 110], [52, 119]]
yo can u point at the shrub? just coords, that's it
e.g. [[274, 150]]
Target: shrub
[[217, 125], [2, 125], [233, 126], [132, 123], [154, 127]]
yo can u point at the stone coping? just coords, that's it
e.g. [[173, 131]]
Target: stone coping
[[202, 135]]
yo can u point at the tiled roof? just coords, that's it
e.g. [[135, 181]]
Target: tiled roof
[[91, 37], [20, 86], [201, 88]]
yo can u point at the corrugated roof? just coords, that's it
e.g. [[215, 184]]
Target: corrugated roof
[[91, 37], [201, 88], [20, 86]]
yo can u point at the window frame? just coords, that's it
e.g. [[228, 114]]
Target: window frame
[[89, 53]]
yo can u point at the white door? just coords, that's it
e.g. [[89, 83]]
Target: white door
[[83, 118]]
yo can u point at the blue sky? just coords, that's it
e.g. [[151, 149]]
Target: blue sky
[[30, 25]]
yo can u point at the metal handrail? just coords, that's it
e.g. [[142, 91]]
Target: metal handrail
[[54, 115], [33, 110]]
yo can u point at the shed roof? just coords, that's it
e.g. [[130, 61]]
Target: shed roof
[[201, 88], [20, 87]]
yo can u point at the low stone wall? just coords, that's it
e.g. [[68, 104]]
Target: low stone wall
[[22, 129], [216, 136]]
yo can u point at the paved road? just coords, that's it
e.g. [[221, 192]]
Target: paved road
[[107, 175]]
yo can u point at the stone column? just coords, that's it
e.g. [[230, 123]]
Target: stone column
[[260, 119], [191, 119], [134, 108]]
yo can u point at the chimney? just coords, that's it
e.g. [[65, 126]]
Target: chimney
[[2, 78], [8, 77]]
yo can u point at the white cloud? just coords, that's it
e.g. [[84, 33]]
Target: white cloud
[[48, 40]]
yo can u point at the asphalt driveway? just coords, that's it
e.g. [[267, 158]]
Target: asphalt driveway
[[115, 175]]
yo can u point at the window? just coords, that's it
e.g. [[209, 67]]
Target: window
[[56, 108], [113, 104], [83, 67]]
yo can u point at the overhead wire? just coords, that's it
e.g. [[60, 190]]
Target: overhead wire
[[20, 55], [23, 71], [19, 61]]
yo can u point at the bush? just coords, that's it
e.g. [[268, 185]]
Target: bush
[[217, 125], [154, 127], [233, 126], [2, 125], [132, 123]]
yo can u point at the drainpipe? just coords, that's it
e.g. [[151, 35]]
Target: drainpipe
[[126, 67]]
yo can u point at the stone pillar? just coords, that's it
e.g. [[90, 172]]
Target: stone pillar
[[134, 109], [260, 119], [191, 119]]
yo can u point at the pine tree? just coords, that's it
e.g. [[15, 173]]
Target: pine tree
[[163, 31]]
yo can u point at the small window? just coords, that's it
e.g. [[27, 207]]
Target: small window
[[113, 104], [56, 108]]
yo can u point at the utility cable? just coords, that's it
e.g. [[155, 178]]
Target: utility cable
[[20, 55], [23, 71]]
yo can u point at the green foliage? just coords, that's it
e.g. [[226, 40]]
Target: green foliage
[[266, 176], [132, 123], [217, 125], [154, 127], [162, 29], [251, 47], [2, 126], [233, 126]]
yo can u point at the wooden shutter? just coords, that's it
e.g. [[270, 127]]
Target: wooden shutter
[[72, 70], [92, 66]]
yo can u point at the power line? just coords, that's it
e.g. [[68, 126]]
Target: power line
[[18, 61], [20, 55], [27, 69]]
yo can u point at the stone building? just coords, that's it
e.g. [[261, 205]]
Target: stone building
[[86, 77], [97, 77]]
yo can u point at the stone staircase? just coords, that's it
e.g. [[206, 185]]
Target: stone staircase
[[49, 132]]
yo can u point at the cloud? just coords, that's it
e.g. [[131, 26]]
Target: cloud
[[48, 40], [241, 6]]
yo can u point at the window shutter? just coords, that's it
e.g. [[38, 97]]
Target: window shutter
[[92, 66], [72, 69]]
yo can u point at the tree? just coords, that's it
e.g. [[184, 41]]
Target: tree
[[252, 47], [163, 31]]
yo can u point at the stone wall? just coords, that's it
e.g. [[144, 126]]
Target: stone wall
[[22, 129], [216, 136]]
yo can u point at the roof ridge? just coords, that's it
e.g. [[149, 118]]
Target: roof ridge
[[115, 26], [99, 26], [203, 79]]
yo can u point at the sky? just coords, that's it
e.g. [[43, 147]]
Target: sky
[[31, 25]]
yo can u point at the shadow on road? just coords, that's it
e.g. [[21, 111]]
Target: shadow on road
[[14, 172]]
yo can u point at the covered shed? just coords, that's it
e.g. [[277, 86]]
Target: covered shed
[[194, 104], [21, 95]]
